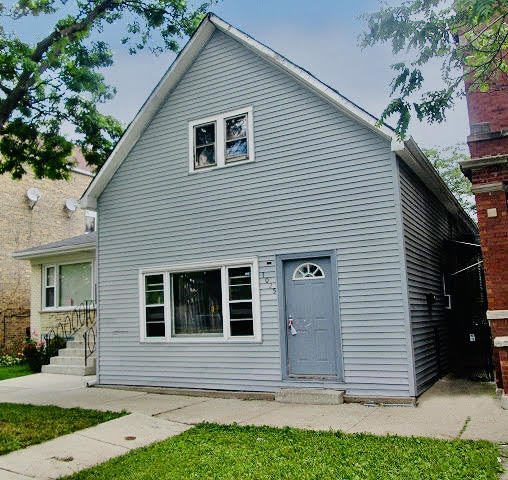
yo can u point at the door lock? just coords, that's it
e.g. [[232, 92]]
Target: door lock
[[291, 326]]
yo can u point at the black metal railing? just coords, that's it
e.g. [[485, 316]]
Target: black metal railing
[[83, 315], [89, 338]]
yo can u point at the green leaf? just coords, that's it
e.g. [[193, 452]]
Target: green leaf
[[61, 80], [428, 30]]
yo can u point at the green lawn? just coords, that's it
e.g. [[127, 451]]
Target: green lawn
[[236, 453], [15, 371], [24, 425]]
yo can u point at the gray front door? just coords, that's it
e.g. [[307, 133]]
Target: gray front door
[[311, 343]]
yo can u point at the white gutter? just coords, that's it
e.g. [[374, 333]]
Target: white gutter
[[54, 251], [83, 172]]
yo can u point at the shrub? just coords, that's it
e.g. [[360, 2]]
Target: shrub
[[34, 354], [11, 360], [38, 354]]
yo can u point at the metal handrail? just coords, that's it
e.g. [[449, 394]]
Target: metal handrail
[[82, 316], [89, 338]]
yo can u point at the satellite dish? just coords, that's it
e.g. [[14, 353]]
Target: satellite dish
[[71, 204], [33, 194]]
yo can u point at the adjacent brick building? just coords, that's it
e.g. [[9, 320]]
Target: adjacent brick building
[[23, 226], [488, 171]]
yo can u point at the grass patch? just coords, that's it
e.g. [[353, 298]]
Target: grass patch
[[24, 425], [211, 451], [14, 371]]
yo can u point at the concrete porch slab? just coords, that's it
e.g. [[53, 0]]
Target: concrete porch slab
[[310, 396]]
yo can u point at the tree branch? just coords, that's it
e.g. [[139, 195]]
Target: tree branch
[[27, 79], [5, 89]]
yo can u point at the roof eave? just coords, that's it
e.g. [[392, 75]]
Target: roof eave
[[54, 251], [133, 132], [418, 162], [408, 150], [303, 76]]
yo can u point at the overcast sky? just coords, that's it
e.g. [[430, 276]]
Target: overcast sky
[[319, 35]]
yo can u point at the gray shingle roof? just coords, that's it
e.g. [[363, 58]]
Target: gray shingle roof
[[86, 241]]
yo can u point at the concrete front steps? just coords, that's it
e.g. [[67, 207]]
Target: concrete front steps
[[310, 396], [71, 361]]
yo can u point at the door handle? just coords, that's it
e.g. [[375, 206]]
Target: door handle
[[291, 327]]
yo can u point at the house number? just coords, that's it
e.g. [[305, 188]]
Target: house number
[[269, 282]]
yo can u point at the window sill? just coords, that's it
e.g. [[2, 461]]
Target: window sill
[[202, 340], [61, 309], [219, 167]]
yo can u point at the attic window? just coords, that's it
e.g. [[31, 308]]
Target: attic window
[[237, 144], [204, 146], [222, 140]]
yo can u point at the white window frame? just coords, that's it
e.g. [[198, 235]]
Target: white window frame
[[91, 213], [65, 308], [308, 278], [220, 139], [168, 301], [45, 285]]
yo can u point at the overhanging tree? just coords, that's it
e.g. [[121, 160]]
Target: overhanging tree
[[461, 33], [55, 85], [446, 162]]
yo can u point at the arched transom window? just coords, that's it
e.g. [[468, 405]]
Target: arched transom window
[[308, 271]]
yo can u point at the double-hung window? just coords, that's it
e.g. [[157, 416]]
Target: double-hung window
[[204, 145], [212, 302], [221, 140], [66, 285], [49, 286]]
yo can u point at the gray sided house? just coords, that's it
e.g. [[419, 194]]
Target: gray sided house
[[259, 231]]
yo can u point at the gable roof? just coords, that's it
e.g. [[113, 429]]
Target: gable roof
[[87, 241], [407, 150]]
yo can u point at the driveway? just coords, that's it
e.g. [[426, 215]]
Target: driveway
[[450, 409]]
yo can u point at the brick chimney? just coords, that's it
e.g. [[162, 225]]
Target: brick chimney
[[488, 172]]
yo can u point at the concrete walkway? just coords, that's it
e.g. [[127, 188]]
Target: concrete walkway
[[450, 409]]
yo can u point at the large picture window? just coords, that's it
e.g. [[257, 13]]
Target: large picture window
[[67, 285], [217, 302]]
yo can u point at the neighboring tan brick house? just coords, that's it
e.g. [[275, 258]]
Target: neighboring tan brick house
[[23, 227], [488, 171]]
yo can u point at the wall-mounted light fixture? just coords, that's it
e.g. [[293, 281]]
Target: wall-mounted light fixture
[[33, 194]]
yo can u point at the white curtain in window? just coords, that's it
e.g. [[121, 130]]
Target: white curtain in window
[[75, 282]]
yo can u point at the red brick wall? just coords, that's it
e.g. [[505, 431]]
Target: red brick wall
[[488, 119], [499, 327], [494, 241], [490, 107], [496, 173], [489, 148], [503, 368]]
